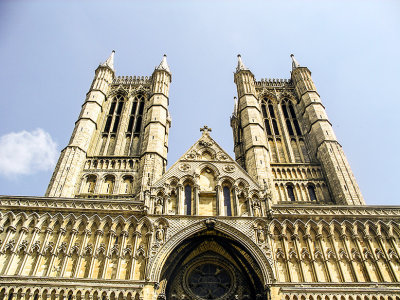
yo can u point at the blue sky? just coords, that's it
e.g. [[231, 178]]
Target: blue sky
[[50, 49]]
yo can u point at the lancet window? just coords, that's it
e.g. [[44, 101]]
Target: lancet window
[[127, 185], [290, 118], [108, 184], [188, 199], [227, 201], [290, 192], [90, 184], [136, 116], [114, 114], [311, 192], [269, 115]]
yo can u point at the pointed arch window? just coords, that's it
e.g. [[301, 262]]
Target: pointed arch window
[[114, 114], [227, 201], [136, 116], [270, 122], [188, 199], [90, 184], [290, 118], [290, 192], [311, 192]]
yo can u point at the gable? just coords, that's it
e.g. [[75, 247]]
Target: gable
[[205, 157]]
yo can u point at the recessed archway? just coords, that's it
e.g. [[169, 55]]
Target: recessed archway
[[211, 264]]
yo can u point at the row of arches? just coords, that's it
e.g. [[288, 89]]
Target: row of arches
[[33, 293], [302, 192], [342, 296], [112, 163], [108, 184], [336, 251], [297, 172], [71, 247], [207, 195]]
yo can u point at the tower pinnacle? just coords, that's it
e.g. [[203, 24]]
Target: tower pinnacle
[[240, 65], [295, 64], [110, 61], [164, 65]]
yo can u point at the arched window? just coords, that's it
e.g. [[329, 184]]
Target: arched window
[[108, 185], [227, 201], [290, 192], [270, 121], [135, 119], [188, 199], [127, 186], [114, 114], [290, 117], [90, 184], [311, 192]]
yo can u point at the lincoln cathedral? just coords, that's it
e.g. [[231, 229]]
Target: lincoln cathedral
[[283, 220]]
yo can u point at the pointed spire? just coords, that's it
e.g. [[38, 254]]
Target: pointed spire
[[110, 61], [295, 64], [164, 65], [240, 65]]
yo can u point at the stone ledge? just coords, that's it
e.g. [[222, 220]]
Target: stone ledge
[[70, 204]]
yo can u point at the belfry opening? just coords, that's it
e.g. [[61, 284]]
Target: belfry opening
[[212, 265]]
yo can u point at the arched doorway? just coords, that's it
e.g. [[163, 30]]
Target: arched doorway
[[211, 265]]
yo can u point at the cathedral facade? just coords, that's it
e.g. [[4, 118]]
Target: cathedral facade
[[284, 219]]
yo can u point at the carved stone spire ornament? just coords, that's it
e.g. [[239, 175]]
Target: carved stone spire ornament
[[164, 65], [110, 61], [295, 64], [240, 65]]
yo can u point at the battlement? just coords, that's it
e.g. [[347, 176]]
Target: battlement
[[132, 80], [274, 82]]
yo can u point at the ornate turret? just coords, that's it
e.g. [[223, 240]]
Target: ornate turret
[[65, 177], [322, 140], [250, 142], [156, 128]]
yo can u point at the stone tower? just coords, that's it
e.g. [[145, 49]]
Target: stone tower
[[120, 142], [282, 134]]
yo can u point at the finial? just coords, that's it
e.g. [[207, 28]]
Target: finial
[[164, 65], [295, 64], [240, 65], [110, 61], [205, 129]]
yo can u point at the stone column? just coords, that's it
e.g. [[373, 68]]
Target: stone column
[[181, 198], [220, 201], [196, 199], [99, 234], [79, 262], [236, 202], [133, 267]]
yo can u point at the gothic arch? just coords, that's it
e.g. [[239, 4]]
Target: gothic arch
[[203, 166], [157, 263]]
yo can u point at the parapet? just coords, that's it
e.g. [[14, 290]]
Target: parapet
[[132, 80], [274, 82]]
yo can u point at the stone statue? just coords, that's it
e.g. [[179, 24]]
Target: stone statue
[[260, 235], [160, 234]]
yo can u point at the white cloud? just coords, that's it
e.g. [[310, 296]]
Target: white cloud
[[26, 152]]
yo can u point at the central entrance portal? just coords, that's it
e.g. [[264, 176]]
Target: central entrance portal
[[211, 265]]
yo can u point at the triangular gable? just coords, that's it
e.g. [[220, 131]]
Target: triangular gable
[[206, 152]]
